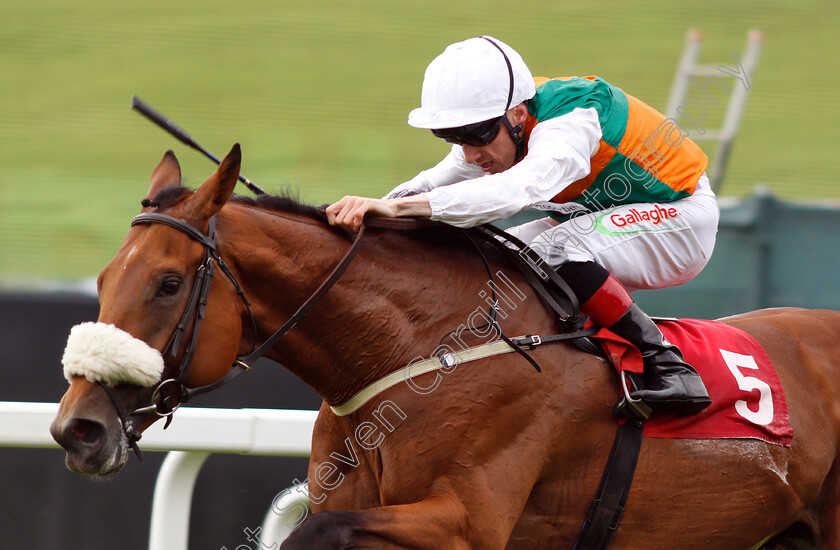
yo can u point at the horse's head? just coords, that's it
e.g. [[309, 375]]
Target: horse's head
[[132, 366]]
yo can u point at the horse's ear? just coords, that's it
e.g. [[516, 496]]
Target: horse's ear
[[166, 174], [215, 192]]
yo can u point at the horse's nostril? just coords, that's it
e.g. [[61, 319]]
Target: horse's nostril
[[86, 431]]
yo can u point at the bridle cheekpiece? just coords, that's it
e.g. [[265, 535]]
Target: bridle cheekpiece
[[162, 397]]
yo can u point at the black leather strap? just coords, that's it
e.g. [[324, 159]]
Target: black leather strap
[[608, 507], [180, 225], [533, 268], [339, 269], [194, 311], [535, 340]]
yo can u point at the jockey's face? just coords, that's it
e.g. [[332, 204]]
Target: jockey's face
[[499, 154]]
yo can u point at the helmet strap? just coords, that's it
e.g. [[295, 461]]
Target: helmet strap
[[514, 131], [516, 136]]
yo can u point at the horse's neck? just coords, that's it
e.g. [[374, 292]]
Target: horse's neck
[[388, 308]]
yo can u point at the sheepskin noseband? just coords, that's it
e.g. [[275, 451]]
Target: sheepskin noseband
[[104, 353]]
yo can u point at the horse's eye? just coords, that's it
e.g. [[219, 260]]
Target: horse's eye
[[170, 287]]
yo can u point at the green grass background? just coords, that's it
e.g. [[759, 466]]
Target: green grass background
[[318, 92]]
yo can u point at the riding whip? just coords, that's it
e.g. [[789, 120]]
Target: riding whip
[[181, 135]]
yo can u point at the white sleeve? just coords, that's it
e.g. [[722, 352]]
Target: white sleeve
[[453, 168], [559, 151]]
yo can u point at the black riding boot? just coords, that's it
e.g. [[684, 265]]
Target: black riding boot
[[670, 384]]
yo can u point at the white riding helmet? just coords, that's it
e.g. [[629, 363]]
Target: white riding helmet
[[472, 81]]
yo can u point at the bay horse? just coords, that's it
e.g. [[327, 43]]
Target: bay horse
[[489, 455]]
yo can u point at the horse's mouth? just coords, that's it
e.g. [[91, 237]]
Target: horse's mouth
[[94, 465], [91, 449]]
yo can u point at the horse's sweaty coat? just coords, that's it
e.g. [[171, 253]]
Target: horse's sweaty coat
[[499, 456]]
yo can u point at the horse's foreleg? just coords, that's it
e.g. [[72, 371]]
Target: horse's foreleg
[[433, 523]]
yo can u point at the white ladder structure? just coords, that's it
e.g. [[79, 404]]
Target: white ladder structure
[[688, 70]]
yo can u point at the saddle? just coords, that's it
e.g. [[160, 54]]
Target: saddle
[[710, 342]]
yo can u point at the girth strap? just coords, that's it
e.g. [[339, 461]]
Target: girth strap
[[608, 507]]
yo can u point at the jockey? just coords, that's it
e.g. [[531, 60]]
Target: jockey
[[627, 199]]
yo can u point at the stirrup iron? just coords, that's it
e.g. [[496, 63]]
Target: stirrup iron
[[636, 406]]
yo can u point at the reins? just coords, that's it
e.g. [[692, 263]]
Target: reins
[[604, 514], [328, 283], [162, 401], [195, 309]]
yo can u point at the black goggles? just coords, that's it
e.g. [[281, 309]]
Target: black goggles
[[478, 134]]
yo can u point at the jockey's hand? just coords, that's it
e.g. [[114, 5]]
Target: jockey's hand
[[350, 211]]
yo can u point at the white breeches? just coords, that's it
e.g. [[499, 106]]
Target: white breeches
[[644, 245]]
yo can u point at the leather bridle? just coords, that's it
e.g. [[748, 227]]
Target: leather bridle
[[171, 392], [162, 403]]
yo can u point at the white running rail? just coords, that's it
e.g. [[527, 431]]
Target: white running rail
[[192, 437]]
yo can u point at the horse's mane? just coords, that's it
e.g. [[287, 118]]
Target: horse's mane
[[287, 202], [439, 235], [283, 202]]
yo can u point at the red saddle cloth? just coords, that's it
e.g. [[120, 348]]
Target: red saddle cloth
[[747, 397]]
